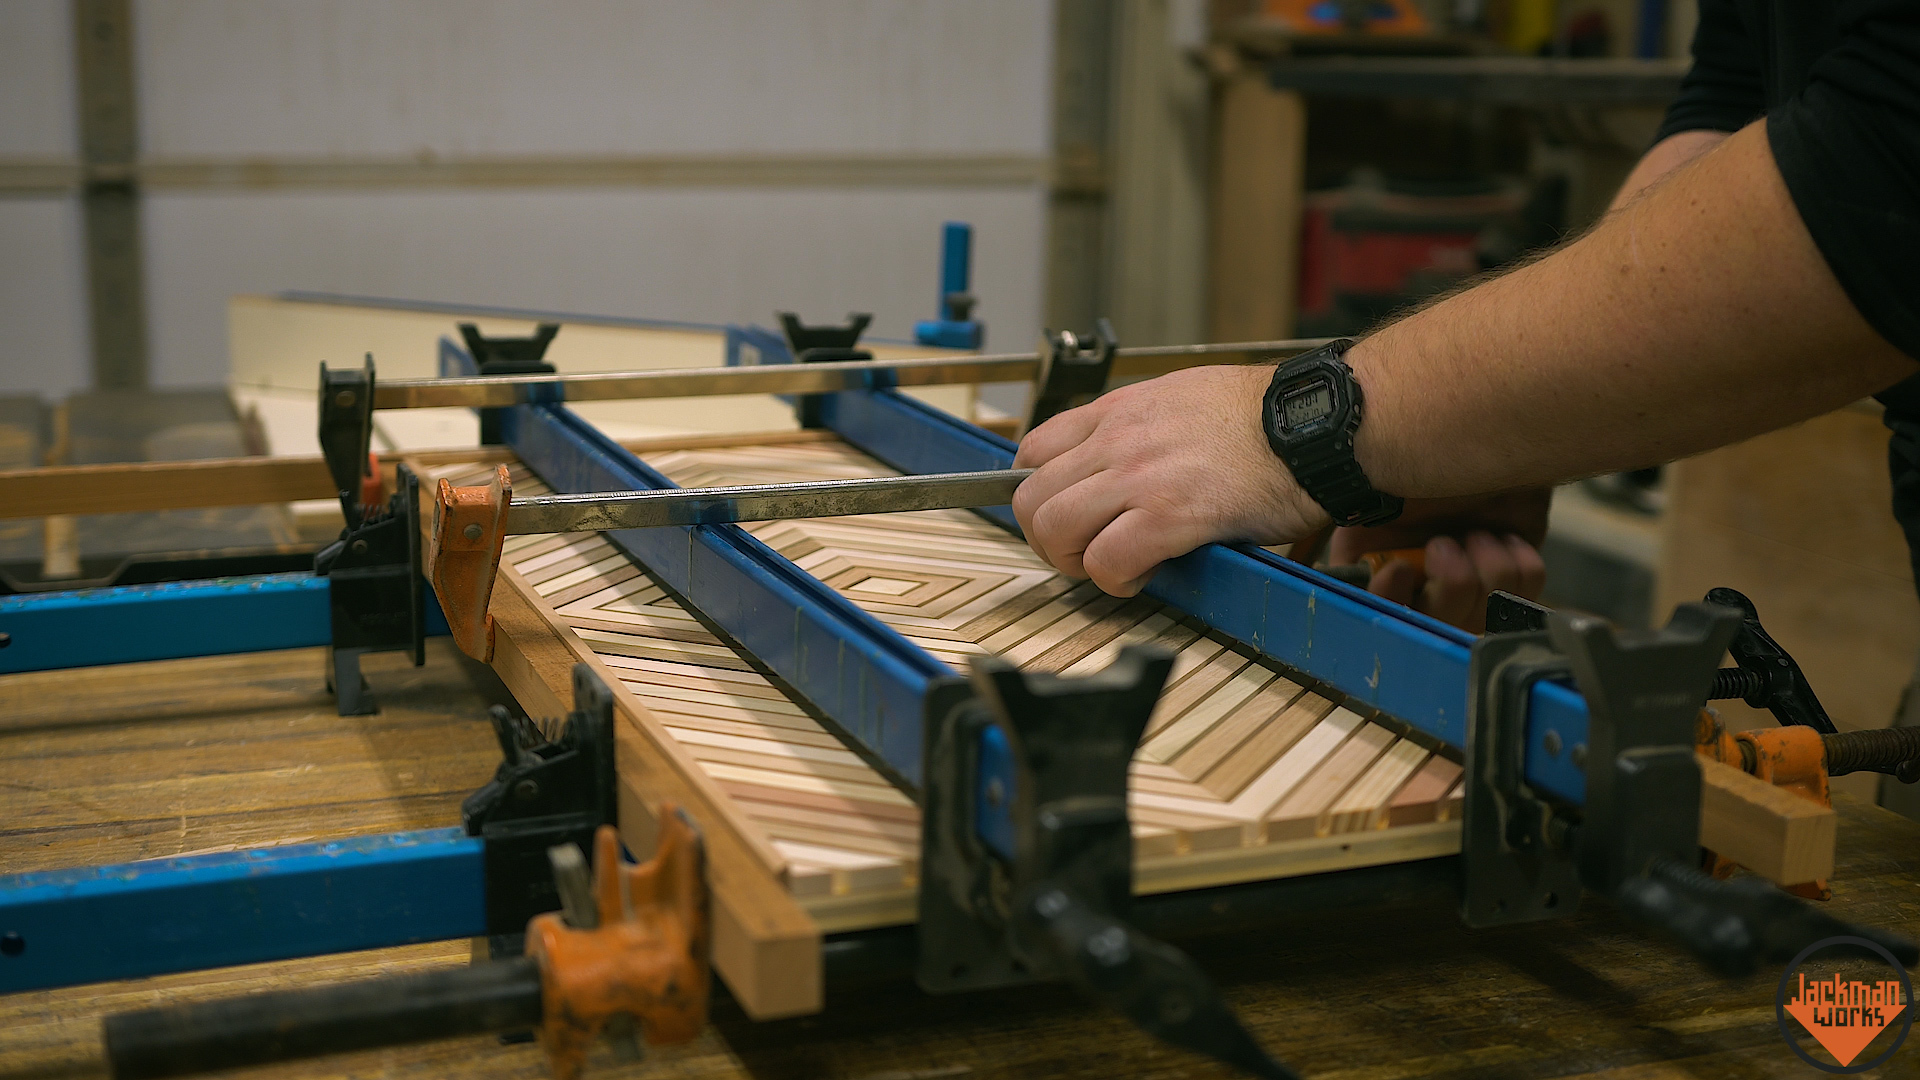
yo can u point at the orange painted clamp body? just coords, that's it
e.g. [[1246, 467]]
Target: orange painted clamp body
[[648, 959], [1377, 561], [469, 527]]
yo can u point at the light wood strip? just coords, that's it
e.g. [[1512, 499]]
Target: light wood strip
[[1300, 813], [1418, 801], [1363, 806]]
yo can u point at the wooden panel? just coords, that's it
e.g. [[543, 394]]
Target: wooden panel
[[1236, 736], [162, 485], [1253, 277]]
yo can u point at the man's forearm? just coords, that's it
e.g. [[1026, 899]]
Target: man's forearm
[[1697, 315], [1669, 154]]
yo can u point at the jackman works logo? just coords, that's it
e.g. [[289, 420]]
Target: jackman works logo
[[1844, 1013]]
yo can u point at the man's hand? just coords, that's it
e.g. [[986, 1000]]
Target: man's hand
[[1473, 547], [1153, 470]]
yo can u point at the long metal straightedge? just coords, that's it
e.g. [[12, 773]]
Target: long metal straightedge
[[761, 502], [1405, 664], [497, 391]]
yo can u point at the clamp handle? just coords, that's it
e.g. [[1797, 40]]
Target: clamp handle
[[1152, 983], [1072, 878], [1734, 925]]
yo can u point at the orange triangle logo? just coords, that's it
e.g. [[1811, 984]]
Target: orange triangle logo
[[1845, 1016]]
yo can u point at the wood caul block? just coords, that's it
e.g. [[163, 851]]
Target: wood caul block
[[1781, 836]]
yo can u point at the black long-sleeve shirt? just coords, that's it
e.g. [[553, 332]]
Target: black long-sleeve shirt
[[1839, 84]]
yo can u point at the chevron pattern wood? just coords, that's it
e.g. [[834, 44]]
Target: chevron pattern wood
[[1246, 771]]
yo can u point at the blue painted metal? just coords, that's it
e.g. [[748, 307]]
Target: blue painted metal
[[1407, 665], [149, 918], [956, 268], [163, 621], [86, 627], [873, 683]]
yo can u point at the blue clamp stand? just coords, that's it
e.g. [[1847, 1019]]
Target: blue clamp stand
[[955, 329]]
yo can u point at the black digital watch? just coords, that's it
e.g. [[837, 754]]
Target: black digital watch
[[1311, 412]]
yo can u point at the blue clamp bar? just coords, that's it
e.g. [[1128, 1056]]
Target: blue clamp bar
[[874, 684], [956, 270], [170, 620], [1405, 664], [67, 927], [161, 622]]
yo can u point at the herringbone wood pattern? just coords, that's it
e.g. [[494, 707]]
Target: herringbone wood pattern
[[1240, 753]]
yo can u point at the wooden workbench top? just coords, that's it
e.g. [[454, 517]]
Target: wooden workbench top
[[162, 759]]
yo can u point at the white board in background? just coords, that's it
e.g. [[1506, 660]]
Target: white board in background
[[278, 345]]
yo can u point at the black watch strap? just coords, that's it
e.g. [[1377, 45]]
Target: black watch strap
[[1323, 462]]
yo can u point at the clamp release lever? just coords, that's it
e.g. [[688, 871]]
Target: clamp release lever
[[1058, 908]]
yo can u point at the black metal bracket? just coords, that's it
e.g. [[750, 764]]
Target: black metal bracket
[[506, 356], [1516, 861], [1764, 675], [1508, 614], [822, 344], [346, 432], [1073, 371], [553, 786], [1058, 909], [376, 598], [1644, 693]]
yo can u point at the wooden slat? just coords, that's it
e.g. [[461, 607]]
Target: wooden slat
[[249, 481], [162, 485]]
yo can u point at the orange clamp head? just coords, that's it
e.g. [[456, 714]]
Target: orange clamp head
[[1377, 561], [469, 525], [648, 958]]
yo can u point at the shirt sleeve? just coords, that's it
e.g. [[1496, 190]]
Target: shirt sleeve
[[1848, 147], [1722, 90]]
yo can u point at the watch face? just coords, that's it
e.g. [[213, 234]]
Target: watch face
[[1307, 405]]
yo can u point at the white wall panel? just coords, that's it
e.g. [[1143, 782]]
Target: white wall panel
[[704, 256], [36, 79], [43, 319], [592, 77]]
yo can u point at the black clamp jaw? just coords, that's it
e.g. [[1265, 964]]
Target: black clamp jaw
[[1636, 840], [555, 785], [1073, 371], [1059, 908], [822, 344], [376, 598], [506, 356]]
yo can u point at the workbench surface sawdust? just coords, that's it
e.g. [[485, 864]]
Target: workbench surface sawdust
[[1247, 770]]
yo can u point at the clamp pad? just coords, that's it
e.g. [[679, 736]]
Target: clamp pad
[[469, 527]]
